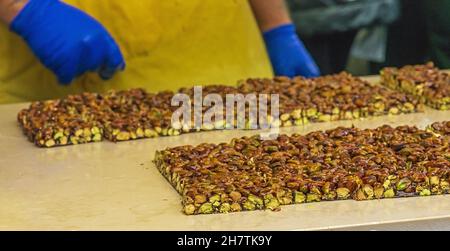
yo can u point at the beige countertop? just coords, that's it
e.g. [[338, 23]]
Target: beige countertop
[[116, 186]]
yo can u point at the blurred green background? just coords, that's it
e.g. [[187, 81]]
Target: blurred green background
[[362, 36]]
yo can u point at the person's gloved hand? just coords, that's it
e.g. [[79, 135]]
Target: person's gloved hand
[[67, 41], [287, 53]]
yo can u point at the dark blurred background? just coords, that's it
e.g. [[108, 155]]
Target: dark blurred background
[[362, 36]]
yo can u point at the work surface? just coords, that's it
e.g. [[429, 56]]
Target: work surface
[[116, 186]]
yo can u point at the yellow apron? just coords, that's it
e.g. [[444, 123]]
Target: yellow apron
[[166, 45]]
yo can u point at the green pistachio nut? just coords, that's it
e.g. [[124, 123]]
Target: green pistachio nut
[[256, 200], [444, 107], [87, 132], [387, 184], [368, 191], [50, 143], [271, 149], [87, 138], [348, 115], [67, 132], [225, 208], [148, 133], [408, 107], [331, 195], [122, 136], [249, 206], [79, 132], [63, 140], [271, 202], [296, 114], [97, 137], [173, 132], [115, 132], [214, 198], [326, 187], [315, 190], [389, 193], [311, 197], [299, 197], [74, 140], [311, 112], [285, 199], [335, 111], [343, 193], [335, 117], [298, 122], [179, 188], [315, 167], [58, 135], [216, 204], [305, 120], [324, 118], [140, 133], [392, 177], [95, 130], [425, 192], [394, 111], [379, 106], [403, 184], [287, 123], [206, 208]]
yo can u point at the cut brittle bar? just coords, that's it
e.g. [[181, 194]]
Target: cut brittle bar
[[57, 123], [425, 81], [343, 163]]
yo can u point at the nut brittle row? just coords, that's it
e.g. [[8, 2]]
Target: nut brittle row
[[425, 81], [333, 97], [135, 113], [343, 163]]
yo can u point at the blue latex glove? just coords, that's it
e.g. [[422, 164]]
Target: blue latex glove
[[67, 41], [287, 53]]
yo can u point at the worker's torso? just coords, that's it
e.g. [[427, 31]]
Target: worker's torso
[[166, 44]]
